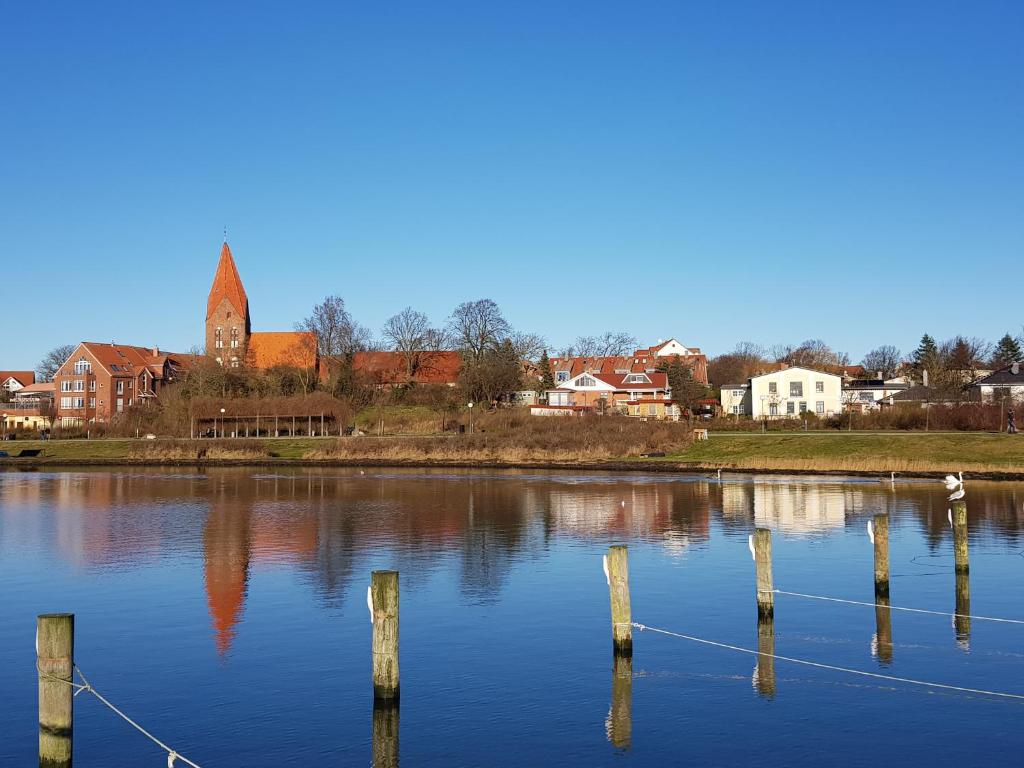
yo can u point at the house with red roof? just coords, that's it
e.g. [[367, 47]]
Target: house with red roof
[[645, 360], [643, 394], [12, 381], [100, 380]]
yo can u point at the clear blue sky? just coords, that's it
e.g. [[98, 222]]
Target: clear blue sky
[[712, 171]]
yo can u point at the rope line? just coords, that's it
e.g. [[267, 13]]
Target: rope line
[[86, 686], [819, 665], [899, 608]]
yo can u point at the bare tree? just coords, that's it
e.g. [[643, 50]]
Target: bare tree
[[608, 344], [812, 353], [47, 368], [337, 334], [735, 367], [528, 346], [478, 326], [409, 332], [885, 359]]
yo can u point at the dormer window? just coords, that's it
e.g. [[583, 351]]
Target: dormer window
[[637, 378], [83, 366]]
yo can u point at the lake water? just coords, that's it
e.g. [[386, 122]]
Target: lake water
[[225, 610]]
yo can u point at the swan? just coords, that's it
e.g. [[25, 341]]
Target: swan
[[957, 495], [954, 481]]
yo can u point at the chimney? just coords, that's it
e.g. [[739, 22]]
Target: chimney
[[924, 377], [878, 374], [156, 351], [1015, 369]]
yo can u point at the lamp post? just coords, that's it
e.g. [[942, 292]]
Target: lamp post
[[471, 418], [222, 430]]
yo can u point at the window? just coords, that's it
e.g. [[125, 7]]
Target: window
[[83, 366], [796, 389], [773, 387], [129, 383], [562, 376], [652, 410], [773, 409], [559, 398], [737, 393], [586, 381], [92, 402], [92, 385], [803, 406], [819, 386], [120, 387], [819, 407], [790, 407], [72, 402], [65, 386], [120, 405], [115, 367], [867, 397], [736, 409], [234, 362], [234, 338], [218, 338], [637, 378]]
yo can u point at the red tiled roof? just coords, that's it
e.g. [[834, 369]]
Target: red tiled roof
[[22, 377], [390, 367], [129, 359], [41, 387], [227, 285], [297, 348]]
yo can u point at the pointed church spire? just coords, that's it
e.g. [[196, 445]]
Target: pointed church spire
[[227, 285]]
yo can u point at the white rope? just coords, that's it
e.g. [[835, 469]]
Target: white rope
[[819, 665], [900, 608], [172, 755]]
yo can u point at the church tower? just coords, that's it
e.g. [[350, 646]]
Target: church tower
[[227, 314]]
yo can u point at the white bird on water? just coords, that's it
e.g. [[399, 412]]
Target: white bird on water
[[954, 481]]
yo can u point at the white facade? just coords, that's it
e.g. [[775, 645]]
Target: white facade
[[995, 392], [868, 397], [735, 399], [794, 391]]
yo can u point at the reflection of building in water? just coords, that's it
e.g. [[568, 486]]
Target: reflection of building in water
[[226, 553], [791, 508]]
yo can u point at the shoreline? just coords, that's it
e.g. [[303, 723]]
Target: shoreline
[[660, 466]]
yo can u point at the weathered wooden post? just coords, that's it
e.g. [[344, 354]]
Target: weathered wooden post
[[619, 724], [883, 629], [385, 734], [880, 523], [384, 599], [960, 537], [617, 568], [55, 661], [763, 564], [962, 619], [764, 672]]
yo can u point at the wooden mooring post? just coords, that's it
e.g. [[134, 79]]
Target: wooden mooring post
[[763, 563], [617, 569], [960, 558], [55, 663], [962, 619], [880, 525], [384, 600]]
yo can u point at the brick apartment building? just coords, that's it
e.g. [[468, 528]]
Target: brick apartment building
[[99, 380]]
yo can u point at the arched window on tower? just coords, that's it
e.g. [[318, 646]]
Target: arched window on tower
[[234, 338], [218, 338]]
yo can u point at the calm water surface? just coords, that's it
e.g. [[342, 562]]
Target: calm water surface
[[226, 611]]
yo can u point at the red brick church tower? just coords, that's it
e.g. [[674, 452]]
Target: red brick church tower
[[228, 328]]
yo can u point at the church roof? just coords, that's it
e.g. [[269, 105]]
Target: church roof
[[270, 348], [227, 285]]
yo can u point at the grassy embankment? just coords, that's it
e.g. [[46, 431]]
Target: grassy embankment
[[609, 441], [905, 452]]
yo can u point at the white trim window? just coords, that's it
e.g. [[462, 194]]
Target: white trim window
[[562, 376], [586, 381], [82, 366], [819, 407]]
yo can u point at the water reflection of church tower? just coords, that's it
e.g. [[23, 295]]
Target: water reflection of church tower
[[226, 551]]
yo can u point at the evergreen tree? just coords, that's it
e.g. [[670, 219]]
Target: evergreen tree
[[1007, 352], [547, 379], [926, 356]]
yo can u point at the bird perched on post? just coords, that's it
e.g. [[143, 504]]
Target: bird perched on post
[[955, 483]]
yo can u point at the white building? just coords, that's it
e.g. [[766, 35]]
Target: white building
[[1006, 383], [868, 394], [785, 394]]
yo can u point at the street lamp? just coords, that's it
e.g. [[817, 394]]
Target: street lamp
[[471, 418], [221, 424]]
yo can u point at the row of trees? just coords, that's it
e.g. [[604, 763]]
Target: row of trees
[[949, 364]]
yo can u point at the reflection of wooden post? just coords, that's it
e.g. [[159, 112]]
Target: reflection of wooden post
[[962, 620], [55, 658], [763, 562], [385, 734], [384, 594], [960, 537], [883, 629], [618, 588], [764, 672], [619, 725], [880, 523]]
